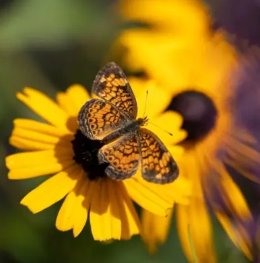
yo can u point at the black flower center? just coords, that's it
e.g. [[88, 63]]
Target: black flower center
[[85, 154], [198, 111]]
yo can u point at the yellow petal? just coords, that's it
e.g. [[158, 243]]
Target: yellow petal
[[237, 233], [149, 199], [168, 122], [155, 229], [179, 190], [100, 212], [44, 107], [65, 103], [112, 214], [53, 189], [236, 200], [78, 96], [82, 208], [71, 102], [39, 137], [177, 153], [32, 164], [153, 108], [65, 218], [102, 219], [155, 195], [31, 172], [33, 135], [135, 43], [232, 202], [29, 145], [130, 221], [229, 191], [195, 218], [74, 210], [171, 15], [72, 123], [39, 127], [116, 222], [237, 205]]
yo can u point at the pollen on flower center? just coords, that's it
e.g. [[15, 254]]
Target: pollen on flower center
[[198, 111], [85, 154]]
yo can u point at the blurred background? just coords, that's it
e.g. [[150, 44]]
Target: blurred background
[[49, 45]]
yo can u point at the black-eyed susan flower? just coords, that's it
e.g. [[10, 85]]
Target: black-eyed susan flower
[[208, 149], [195, 75], [212, 145], [56, 147]]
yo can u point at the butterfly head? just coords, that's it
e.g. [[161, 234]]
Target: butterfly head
[[142, 121]]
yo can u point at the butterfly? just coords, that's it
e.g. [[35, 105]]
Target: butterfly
[[112, 119]]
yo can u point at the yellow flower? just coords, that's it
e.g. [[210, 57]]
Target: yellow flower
[[57, 147], [204, 165], [196, 76]]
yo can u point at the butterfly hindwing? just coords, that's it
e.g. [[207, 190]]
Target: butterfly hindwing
[[111, 85], [97, 118], [123, 157], [158, 166]]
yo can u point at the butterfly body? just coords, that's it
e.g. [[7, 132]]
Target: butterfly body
[[112, 119], [130, 127]]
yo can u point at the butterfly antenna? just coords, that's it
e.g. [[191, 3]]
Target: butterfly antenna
[[145, 104], [160, 128], [145, 107]]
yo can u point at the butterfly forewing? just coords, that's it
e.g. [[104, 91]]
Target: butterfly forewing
[[122, 155], [97, 118], [158, 165], [111, 85]]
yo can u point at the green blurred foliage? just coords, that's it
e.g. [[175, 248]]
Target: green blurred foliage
[[50, 45]]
